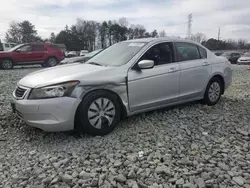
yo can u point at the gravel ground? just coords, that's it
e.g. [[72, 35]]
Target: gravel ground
[[187, 146]]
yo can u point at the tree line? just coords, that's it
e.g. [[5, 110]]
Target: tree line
[[90, 35]]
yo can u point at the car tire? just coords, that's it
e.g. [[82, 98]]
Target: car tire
[[51, 62], [7, 64], [44, 65], [98, 114], [213, 92]]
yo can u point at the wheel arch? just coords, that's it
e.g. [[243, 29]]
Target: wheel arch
[[221, 78], [3, 58], [51, 56], [123, 107]]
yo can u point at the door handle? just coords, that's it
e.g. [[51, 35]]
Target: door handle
[[205, 64], [29, 52], [173, 69]]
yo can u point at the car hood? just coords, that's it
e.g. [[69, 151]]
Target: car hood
[[85, 73], [71, 60], [4, 53], [244, 58]]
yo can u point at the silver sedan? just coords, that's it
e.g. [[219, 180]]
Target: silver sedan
[[127, 78]]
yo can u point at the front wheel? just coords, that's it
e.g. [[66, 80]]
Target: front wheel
[[213, 92], [7, 64], [99, 113]]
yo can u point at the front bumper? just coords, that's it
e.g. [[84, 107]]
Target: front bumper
[[52, 115], [243, 62]]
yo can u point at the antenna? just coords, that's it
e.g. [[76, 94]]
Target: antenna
[[189, 29]]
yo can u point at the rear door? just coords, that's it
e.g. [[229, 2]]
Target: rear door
[[38, 53], [195, 70]]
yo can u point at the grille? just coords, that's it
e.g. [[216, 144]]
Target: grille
[[20, 92]]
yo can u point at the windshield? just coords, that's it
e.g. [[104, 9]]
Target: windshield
[[246, 55], [92, 53], [14, 48], [117, 54], [225, 54]]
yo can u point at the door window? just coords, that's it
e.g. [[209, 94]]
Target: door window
[[25, 48], [38, 48], [203, 52], [187, 51], [160, 53]]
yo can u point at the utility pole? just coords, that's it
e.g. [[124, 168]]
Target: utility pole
[[219, 34], [189, 28]]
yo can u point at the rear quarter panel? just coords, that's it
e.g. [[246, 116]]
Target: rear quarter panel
[[221, 66]]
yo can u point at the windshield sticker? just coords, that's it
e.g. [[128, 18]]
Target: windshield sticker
[[137, 44]]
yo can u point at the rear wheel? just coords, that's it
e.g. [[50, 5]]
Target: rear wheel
[[7, 64], [99, 113], [213, 92], [51, 62]]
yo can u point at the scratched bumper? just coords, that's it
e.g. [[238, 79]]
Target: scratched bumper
[[52, 115]]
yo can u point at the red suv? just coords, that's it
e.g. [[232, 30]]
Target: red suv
[[47, 55]]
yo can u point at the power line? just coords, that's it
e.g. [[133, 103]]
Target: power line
[[189, 28], [219, 34]]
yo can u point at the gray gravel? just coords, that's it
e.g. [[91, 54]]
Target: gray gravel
[[189, 146]]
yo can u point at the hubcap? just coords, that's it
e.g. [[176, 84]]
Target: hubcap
[[7, 64], [52, 62], [214, 91], [101, 112]]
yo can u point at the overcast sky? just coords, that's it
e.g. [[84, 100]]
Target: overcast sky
[[232, 16]]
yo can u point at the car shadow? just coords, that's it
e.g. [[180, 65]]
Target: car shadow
[[27, 67]]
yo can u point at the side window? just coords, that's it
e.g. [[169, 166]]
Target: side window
[[237, 55], [26, 48], [6, 45], [160, 53], [38, 48], [203, 52], [54, 47], [187, 51]]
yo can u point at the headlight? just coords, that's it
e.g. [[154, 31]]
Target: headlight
[[53, 91]]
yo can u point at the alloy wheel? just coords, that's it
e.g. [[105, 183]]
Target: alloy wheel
[[101, 111], [214, 91], [52, 62], [7, 64]]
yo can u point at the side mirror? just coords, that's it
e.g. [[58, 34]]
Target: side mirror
[[146, 64]]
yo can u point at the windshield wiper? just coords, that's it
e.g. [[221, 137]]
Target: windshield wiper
[[94, 63]]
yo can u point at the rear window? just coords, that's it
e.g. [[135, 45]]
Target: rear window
[[55, 47]]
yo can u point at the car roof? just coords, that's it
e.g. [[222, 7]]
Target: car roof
[[170, 39], [37, 43]]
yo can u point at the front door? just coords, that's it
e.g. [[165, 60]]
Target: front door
[[158, 86], [22, 54], [195, 70]]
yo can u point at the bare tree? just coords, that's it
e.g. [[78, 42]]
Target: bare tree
[[123, 22], [162, 33], [242, 44], [14, 34], [198, 37]]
